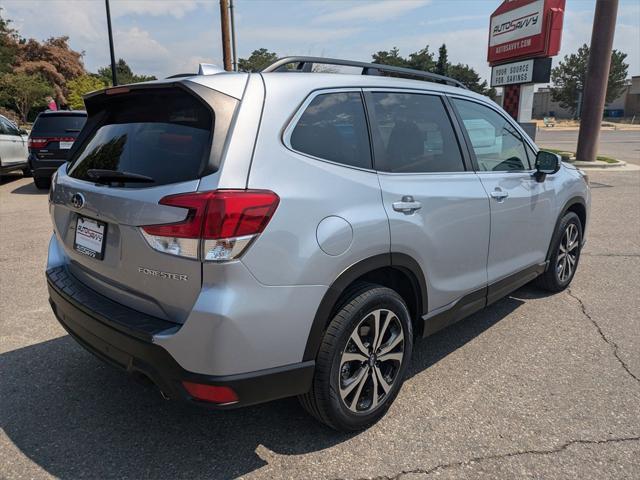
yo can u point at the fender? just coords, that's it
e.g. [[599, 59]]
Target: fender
[[570, 203], [325, 311]]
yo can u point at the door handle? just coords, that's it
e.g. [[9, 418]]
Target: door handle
[[499, 195], [407, 205]]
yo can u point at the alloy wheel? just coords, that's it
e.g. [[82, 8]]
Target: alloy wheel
[[371, 360], [567, 253]]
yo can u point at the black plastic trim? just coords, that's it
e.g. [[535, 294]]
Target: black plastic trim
[[478, 299], [134, 351], [577, 200], [330, 300], [504, 287]]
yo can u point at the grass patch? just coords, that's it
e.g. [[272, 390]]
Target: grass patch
[[606, 159]]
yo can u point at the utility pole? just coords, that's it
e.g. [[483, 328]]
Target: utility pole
[[226, 38], [233, 36], [595, 88], [114, 77]]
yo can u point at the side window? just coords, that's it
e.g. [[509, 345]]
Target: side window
[[412, 133], [532, 156], [334, 127], [8, 128], [497, 145]]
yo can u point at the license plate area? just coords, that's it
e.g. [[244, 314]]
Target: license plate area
[[89, 237]]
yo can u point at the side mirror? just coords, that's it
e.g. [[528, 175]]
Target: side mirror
[[547, 163], [23, 132]]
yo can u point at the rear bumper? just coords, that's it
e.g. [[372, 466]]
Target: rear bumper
[[44, 168], [124, 338]]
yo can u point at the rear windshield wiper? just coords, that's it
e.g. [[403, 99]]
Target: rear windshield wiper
[[114, 176]]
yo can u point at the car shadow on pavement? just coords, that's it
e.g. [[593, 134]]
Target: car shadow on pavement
[[29, 189], [10, 177], [76, 417]]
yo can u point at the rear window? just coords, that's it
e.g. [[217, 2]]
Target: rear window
[[165, 135], [59, 125]]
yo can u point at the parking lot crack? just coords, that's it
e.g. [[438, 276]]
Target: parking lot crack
[[610, 342], [466, 463]]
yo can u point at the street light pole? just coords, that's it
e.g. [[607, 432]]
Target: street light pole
[[226, 37], [595, 88], [114, 77], [233, 36]]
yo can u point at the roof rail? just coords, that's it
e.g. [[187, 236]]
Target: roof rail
[[305, 64]]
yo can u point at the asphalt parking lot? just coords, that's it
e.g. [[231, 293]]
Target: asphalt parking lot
[[536, 386], [621, 144]]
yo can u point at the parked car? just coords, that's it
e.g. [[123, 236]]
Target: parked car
[[50, 142], [13, 147], [238, 238]]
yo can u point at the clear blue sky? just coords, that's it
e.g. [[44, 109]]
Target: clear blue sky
[[163, 37]]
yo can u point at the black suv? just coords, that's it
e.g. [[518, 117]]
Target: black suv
[[50, 141]]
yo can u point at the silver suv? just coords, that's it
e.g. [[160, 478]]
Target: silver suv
[[237, 238]]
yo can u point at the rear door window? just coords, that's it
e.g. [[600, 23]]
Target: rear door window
[[334, 127], [412, 133], [165, 135]]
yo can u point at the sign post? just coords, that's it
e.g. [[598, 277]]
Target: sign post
[[523, 36]]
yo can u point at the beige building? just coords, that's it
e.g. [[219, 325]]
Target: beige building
[[626, 105]]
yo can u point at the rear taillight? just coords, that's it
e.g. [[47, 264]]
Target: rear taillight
[[41, 142], [219, 225]]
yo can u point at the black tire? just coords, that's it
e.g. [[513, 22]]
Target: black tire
[[26, 172], [324, 400], [552, 279], [42, 183]]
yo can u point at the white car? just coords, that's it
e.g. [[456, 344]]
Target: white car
[[13, 147]]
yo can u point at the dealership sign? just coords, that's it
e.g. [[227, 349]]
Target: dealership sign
[[535, 70], [525, 29]]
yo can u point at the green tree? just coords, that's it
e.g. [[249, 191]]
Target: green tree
[[470, 79], [442, 65], [8, 45], [80, 86], [258, 60], [569, 76], [422, 60], [391, 57], [24, 91], [124, 74]]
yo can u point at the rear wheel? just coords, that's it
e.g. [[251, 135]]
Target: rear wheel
[[565, 248], [42, 183], [362, 360]]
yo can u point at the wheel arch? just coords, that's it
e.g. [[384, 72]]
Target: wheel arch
[[576, 204], [398, 271]]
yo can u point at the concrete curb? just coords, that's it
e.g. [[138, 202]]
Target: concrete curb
[[597, 164]]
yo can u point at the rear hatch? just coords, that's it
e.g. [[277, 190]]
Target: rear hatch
[[146, 143], [54, 134]]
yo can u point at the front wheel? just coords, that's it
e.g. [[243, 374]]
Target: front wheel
[[362, 360], [565, 254]]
